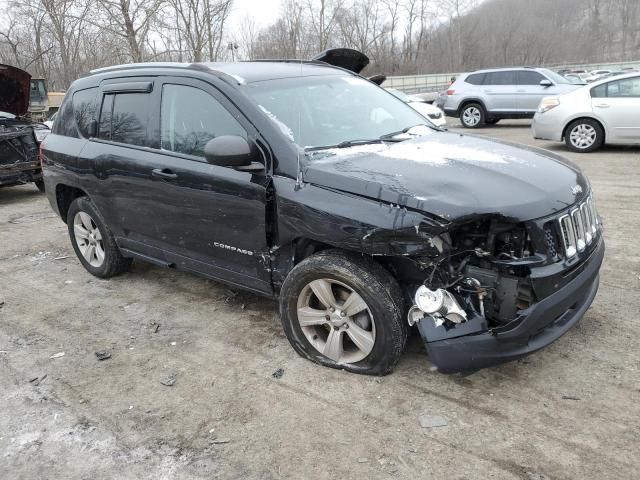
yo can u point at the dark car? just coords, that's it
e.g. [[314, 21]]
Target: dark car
[[19, 162], [312, 185]]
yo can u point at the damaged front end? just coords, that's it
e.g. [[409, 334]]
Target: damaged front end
[[499, 290]]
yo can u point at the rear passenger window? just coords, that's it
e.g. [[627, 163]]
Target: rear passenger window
[[124, 118], [500, 78], [528, 77], [84, 109], [475, 78], [190, 117]]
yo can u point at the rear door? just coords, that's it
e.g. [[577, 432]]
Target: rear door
[[120, 156], [500, 91], [617, 105]]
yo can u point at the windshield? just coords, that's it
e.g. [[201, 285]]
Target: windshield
[[328, 110], [400, 95], [38, 90], [555, 77]]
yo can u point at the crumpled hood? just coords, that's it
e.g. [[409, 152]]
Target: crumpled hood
[[15, 85], [453, 176]]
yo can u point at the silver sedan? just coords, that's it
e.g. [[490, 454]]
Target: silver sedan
[[606, 111]]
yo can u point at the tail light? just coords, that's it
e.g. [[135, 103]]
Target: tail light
[[450, 92]]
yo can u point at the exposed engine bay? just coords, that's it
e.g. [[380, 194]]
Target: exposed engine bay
[[480, 275]]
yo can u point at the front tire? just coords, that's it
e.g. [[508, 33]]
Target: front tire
[[584, 135], [472, 115], [344, 311], [93, 242], [40, 185]]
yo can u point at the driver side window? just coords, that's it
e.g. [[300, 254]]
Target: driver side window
[[190, 117]]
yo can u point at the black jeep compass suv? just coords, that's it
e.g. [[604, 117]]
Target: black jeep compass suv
[[310, 184]]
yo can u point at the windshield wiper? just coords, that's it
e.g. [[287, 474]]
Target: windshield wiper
[[388, 136], [353, 143]]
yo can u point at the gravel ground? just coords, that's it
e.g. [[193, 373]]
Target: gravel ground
[[570, 411]]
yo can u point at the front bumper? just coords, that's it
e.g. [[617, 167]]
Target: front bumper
[[536, 327], [450, 112], [545, 126]]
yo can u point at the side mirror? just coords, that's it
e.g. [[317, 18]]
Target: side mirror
[[229, 151], [546, 83]]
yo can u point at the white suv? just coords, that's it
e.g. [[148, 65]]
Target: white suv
[[487, 96]]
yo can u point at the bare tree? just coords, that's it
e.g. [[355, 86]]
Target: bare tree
[[130, 19]]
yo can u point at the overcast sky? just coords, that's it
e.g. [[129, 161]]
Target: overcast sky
[[263, 12]]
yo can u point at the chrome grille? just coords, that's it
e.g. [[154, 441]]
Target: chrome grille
[[579, 227]]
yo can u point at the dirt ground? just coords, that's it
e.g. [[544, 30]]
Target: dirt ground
[[569, 411]]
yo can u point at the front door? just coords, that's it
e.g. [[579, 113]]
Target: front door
[[617, 104], [530, 92]]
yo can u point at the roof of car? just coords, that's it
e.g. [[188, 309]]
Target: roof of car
[[501, 69], [244, 72]]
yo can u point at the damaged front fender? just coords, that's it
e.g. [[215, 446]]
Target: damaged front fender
[[352, 222]]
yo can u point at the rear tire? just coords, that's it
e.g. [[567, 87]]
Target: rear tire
[[584, 135], [93, 242], [472, 115], [374, 333]]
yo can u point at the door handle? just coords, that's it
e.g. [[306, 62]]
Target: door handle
[[164, 173], [603, 105]]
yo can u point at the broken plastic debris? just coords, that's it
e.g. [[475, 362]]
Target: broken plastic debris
[[278, 373], [103, 354], [569, 397], [57, 355], [169, 380], [431, 421], [220, 440]]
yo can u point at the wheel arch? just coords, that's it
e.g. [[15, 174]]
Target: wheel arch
[[467, 101], [585, 117], [65, 195]]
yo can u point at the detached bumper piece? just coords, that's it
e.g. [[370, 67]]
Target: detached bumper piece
[[470, 346]]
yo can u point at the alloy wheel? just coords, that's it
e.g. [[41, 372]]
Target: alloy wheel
[[583, 136], [336, 321], [471, 116], [89, 239]]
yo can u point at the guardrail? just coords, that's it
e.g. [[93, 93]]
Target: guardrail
[[436, 82]]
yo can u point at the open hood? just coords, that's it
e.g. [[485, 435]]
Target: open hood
[[14, 90], [453, 176], [346, 58]]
